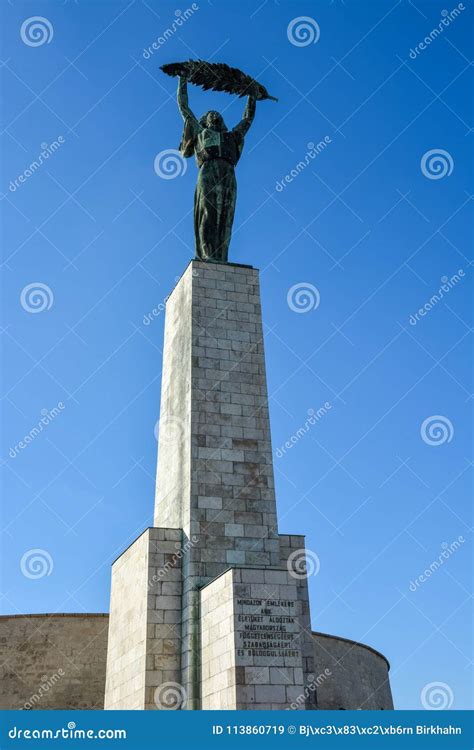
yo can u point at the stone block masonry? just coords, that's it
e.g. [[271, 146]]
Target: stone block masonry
[[215, 472], [52, 661], [36, 672], [143, 657], [209, 608], [293, 558], [251, 643], [229, 625]]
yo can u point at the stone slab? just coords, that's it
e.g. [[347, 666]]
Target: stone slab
[[144, 646], [251, 645]]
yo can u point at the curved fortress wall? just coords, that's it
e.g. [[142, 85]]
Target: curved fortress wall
[[350, 675], [53, 661], [58, 662]]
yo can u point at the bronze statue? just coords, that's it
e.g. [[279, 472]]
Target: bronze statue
[[217, 151]]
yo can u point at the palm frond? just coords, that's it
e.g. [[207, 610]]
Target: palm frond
[[218, 77]]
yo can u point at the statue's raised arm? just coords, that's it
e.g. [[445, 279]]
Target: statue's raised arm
[[183, 103], [247, 118]]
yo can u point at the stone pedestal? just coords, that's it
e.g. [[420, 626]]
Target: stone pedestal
[[144, 649], [215, 488], [251, 641], [215, 474]]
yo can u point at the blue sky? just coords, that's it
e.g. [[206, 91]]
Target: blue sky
[[363, 223]]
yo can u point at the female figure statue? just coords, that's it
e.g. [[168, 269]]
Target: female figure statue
[[217, 151]]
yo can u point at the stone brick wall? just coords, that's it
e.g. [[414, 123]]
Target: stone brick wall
[[215, 510], [163, 648], [126, 656], [52, 661], [218, 685], [358, 676], [251, 645], [173, 477], [34, 647], [293, 558], [231, 447], [215, 472], [214, 423], [145, 623]]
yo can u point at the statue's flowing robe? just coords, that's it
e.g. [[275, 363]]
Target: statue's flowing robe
[[214, 207], [217, 152]]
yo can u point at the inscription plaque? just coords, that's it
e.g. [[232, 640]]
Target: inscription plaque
[[267, 627]]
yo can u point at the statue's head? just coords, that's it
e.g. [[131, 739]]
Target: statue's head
[[213, 120]]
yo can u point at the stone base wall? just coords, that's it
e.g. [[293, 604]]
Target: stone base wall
[[350, 676], [126, 655], [143, 655], [33, 647], [53, 661], [294, 558], [215, 472], [250, 641]]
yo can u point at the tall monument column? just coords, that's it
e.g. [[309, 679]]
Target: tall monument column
[[215, 474], [224, 623]]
